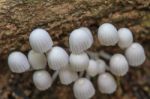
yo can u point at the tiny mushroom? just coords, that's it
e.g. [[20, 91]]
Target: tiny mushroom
[[37, 60], [79, 62], [80, 40], [18, 62], [57, 58], [42, 80], [101, 66], [125, 38], [135, 54], [106, 83], [40, 40], [107, 34], [118, 65], [67, 76], [93, 68], [88, 32], [83, 89]]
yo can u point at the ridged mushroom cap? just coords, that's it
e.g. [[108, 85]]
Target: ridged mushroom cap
[[135, 54], [67, 76], [80, 40], [125, 38], [18, 62], [118, 65], [93, 68], [101, 65], [107, 34], [40, 40], [79, 62], [83, 89], [37, 60], [42, 80], [106, 83], [57, 58], [88, 32]]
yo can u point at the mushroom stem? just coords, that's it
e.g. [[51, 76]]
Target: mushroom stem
[[118, 81], [93, 55], [54, 76], [104, 55]]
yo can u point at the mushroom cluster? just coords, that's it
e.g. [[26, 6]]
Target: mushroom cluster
[[80, 65]]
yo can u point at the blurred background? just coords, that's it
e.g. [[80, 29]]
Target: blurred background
[[59, 17]]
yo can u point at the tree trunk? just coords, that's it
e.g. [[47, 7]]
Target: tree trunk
[[19, 17]]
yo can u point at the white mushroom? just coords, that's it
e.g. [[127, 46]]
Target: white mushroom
[[40, 40], [101, 66], [106, 83], [79, 62], [107, 34], [80, 40], [93, 68], [67, 76], [118, 65], [42, 80], [18, 62], [88, 32], [125, 38], [37, 60], [135, 54], [83, 89], [58, 58]]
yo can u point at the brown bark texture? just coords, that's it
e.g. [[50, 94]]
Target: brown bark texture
[[59, 17]]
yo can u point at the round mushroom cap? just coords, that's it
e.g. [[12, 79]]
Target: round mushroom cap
[[67, 76], [125, 38], [107, 34], [106, 83], [88, 32], [18, 62], [93, 68], [42, 80], [135, 55], [80, 40], [101, 66], [83, 89], [58, 58], [79, 62], [40, 41], [37, 60], [118, 65]]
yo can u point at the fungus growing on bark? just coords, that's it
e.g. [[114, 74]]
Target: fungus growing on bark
[[72, 68]]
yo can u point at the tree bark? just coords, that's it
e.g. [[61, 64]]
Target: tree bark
[[19, 17]]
